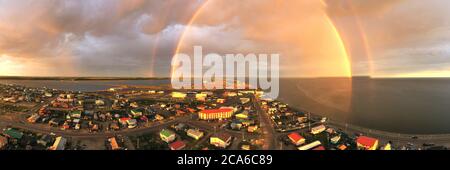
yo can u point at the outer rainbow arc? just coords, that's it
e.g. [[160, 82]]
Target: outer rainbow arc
[[363, 35]]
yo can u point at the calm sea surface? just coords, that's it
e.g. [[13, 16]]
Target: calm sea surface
[[420, 106]]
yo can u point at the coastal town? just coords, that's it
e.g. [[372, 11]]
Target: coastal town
[[134, 118]]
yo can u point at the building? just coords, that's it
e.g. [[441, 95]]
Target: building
[[60, 144], [33, 118], [342, 147], [136, 112], [244, 100], [223, 113], [99, 102], [318, 129], [335, 139], [124, 120], [159, 117], [252, 129], [132, 123], [201, 96], [179, 95], [196, 134], [296, 138], [12, 133], [310, 145], [113, 143], [178, 145], [387, 147], [3, 142], [319, 148], [221, 101], [75, 114], [243, 115], [167, 135], [221, 140], [367, 143], [246, 147]]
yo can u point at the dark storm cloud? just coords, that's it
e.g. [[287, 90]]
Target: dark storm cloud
[[93, 36]]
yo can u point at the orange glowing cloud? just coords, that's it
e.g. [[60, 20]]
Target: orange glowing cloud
[[300, 31]]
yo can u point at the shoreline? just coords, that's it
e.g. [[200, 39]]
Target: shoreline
[[375, 132]]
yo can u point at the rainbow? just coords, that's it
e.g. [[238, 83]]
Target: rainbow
[[341, 43]]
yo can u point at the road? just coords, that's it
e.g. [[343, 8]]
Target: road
[[268, 131]]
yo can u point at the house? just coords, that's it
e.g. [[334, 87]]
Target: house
[[201, 96], [246, 147], [252, 129], [387, 147], [310, 145], [99, 102], [366, 143], [196, 134], [54, 122], [302, 119], [178, 95], [296, 138], [159, 117], [33, 118], [12, 133], [113, 143], [167, 135], [136, 112], [243, 115], [221, 140], [124, 120], [244, 100], [319, 148], [132, 123], [3, 142], [60, 143], [134, 105], [342, 147], [318, 129], [335, 139], [221, 101], [75, 114], [178, 145]]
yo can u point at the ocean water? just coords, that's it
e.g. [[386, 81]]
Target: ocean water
[[415, 106]]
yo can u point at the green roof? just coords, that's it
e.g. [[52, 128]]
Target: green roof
[[75, 112], [166, 133], [13, 133]]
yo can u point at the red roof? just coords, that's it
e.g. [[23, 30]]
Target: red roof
[[124, 119], [295, 137], [177, 145], [212, 111], [366, 141], [319, 148]]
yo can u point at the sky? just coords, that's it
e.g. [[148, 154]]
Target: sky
[[137, 38]]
